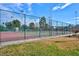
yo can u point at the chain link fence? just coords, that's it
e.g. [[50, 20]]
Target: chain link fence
[[19, 26]]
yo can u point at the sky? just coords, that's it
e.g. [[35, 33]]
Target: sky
[[64, 12]]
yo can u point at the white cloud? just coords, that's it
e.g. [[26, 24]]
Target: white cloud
[[61, 7], [3, 7], [56, 7], [29, 6], [75, 18], [19, 6], [66, 5]]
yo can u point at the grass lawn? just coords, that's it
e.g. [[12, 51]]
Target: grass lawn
[[50, 47]]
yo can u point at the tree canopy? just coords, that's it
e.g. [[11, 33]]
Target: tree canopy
[[32, 25], [16, 23], [43, 24]]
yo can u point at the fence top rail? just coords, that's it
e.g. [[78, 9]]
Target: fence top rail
[[18, 13]]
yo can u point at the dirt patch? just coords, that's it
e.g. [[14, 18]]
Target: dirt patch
[[68, 43], [64, 42]]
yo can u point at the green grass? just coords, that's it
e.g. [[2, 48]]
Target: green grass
[[38, 48]]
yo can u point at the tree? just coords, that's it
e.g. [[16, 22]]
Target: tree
[[42, 23], [16, 23], [46, 27], [2, 28], [24, 27], [8, 25], [32, 26]]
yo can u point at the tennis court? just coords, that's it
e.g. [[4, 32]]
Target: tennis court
[[17, 26], [12, 36]]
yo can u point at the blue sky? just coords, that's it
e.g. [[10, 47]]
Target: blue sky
[[64, 12]]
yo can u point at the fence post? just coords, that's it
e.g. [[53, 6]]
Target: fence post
[[24, 26], [62, 29], [0, 24], [50, 26], [56, 27], [39, 28]]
